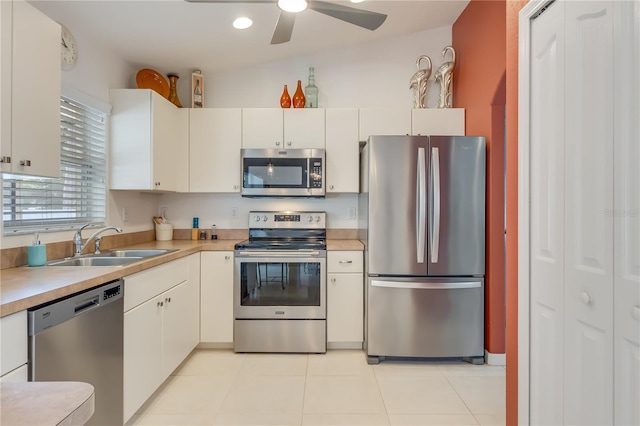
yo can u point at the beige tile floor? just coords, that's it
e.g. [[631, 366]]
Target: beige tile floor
[[219, 387]]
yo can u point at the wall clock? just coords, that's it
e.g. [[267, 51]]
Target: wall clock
[[69, 49]]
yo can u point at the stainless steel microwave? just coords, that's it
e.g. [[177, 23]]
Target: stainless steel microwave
[[283, 172]]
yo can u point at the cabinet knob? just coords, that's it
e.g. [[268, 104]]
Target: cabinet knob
[[168, 300], [157, 183], [160, 304], [277, 143], [330, 186], [26, 163], [227, 257], [289, 143], [5, 159], [333, 280], [635, 313], [585, 297], [235, 186]]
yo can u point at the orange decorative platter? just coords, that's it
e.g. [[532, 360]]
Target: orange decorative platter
[[152, 79]]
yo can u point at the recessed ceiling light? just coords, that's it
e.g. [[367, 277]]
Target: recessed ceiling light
[[242, 23], [357, 1], [292, 6]]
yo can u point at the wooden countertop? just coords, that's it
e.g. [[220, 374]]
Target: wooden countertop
[[25, 287], [46, 403]]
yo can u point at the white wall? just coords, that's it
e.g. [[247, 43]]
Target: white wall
[[369, 75]]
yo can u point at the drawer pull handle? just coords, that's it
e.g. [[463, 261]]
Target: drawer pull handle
[[585, 298], [345, 261]]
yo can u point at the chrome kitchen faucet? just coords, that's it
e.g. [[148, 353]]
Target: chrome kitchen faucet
[[77, 238]]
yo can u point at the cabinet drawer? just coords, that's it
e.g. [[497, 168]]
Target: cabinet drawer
[[147, 284], [344, 261]]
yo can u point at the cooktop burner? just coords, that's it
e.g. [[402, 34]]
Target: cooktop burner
[[285, 231]]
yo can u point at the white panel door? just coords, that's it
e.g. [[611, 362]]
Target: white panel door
[[547, 216], [216, 297], [180, 325], [626, 213], [589, 232], [343, 150]]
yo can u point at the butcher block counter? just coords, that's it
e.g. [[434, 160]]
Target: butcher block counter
[[25, 287]]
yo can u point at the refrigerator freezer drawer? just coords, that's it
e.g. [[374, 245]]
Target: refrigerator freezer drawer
[[430, 318]]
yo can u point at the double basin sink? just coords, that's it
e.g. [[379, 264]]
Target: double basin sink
[[110, 258]]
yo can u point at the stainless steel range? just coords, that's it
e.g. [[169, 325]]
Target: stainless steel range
[[280, 288]]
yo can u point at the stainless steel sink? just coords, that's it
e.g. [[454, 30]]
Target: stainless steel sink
[[134, 253], [96, 261]]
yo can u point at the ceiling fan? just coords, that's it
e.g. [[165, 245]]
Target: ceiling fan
[[284, 27]]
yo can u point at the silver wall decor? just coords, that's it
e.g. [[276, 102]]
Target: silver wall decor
[[444, 76], [419, 80]]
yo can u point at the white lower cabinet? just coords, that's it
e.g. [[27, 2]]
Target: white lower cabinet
[[13, 347], [345, 299], [160, 331], [216, 298]]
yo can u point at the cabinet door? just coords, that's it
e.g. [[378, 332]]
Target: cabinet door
[[216, 298], [181, 138], [345, 308], [165, 140], [384, 121], [215, 139], [142, 353], [36, 82], [262, 128], [437, 121], [13, 341], [304, 128], [343, 150], [180, 325], [6, 39]]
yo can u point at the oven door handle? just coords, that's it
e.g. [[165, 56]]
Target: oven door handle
[[279, 253]]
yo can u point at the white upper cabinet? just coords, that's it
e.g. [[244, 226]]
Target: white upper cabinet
[[384, 121], [438, 121], [304, 128], [215, 138], [149, 142], [343, 150], [30, 78], [283, 128]]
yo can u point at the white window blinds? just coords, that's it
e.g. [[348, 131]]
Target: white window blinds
[[79, 195]]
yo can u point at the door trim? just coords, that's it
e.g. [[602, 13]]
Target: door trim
[[533, 9]]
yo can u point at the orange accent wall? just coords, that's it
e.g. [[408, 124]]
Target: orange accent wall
[[479, 38], [513, 9]]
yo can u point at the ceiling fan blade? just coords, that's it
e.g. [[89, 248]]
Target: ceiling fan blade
[[231, 1], [284, 28], [359, 17]]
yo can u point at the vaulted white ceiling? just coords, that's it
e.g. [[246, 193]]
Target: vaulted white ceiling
[[175, 34]]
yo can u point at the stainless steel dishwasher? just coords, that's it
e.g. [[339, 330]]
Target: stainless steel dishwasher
[[80, 338]]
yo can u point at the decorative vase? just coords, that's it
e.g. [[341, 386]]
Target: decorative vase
[[285, 99], [298, 97], [311, 91], [173, 90]]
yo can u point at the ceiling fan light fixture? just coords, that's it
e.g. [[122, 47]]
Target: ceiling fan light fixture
[[242, 23], [293, 6], [357, 1]]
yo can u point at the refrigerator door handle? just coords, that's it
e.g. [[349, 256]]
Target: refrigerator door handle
[[427, 285], [435, 234], [421, 206]]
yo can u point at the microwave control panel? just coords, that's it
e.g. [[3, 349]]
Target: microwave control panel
[[316, 173]]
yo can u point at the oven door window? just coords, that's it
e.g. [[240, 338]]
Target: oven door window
[[275, 173], [280, 284]]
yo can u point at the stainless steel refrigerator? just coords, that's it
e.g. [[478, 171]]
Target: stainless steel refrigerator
[[422, 220]]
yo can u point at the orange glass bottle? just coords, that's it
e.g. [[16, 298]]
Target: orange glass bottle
[[298, 97], [285, 99]]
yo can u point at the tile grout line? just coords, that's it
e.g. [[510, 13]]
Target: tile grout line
[[386, 410]]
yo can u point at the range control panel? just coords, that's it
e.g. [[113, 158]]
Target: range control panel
[[296, 220]]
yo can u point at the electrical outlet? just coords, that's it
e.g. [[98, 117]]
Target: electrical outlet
[[351, 213], [163, 211], [125, 214], [234, 212]]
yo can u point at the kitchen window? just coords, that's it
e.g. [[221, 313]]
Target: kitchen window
[[32, 203]]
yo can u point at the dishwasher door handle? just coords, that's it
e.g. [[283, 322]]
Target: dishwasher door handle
[[87, 304]]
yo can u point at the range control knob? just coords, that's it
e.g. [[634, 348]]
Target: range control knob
[[317, 218], [310, 219], [265, 218], [257, 219]]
